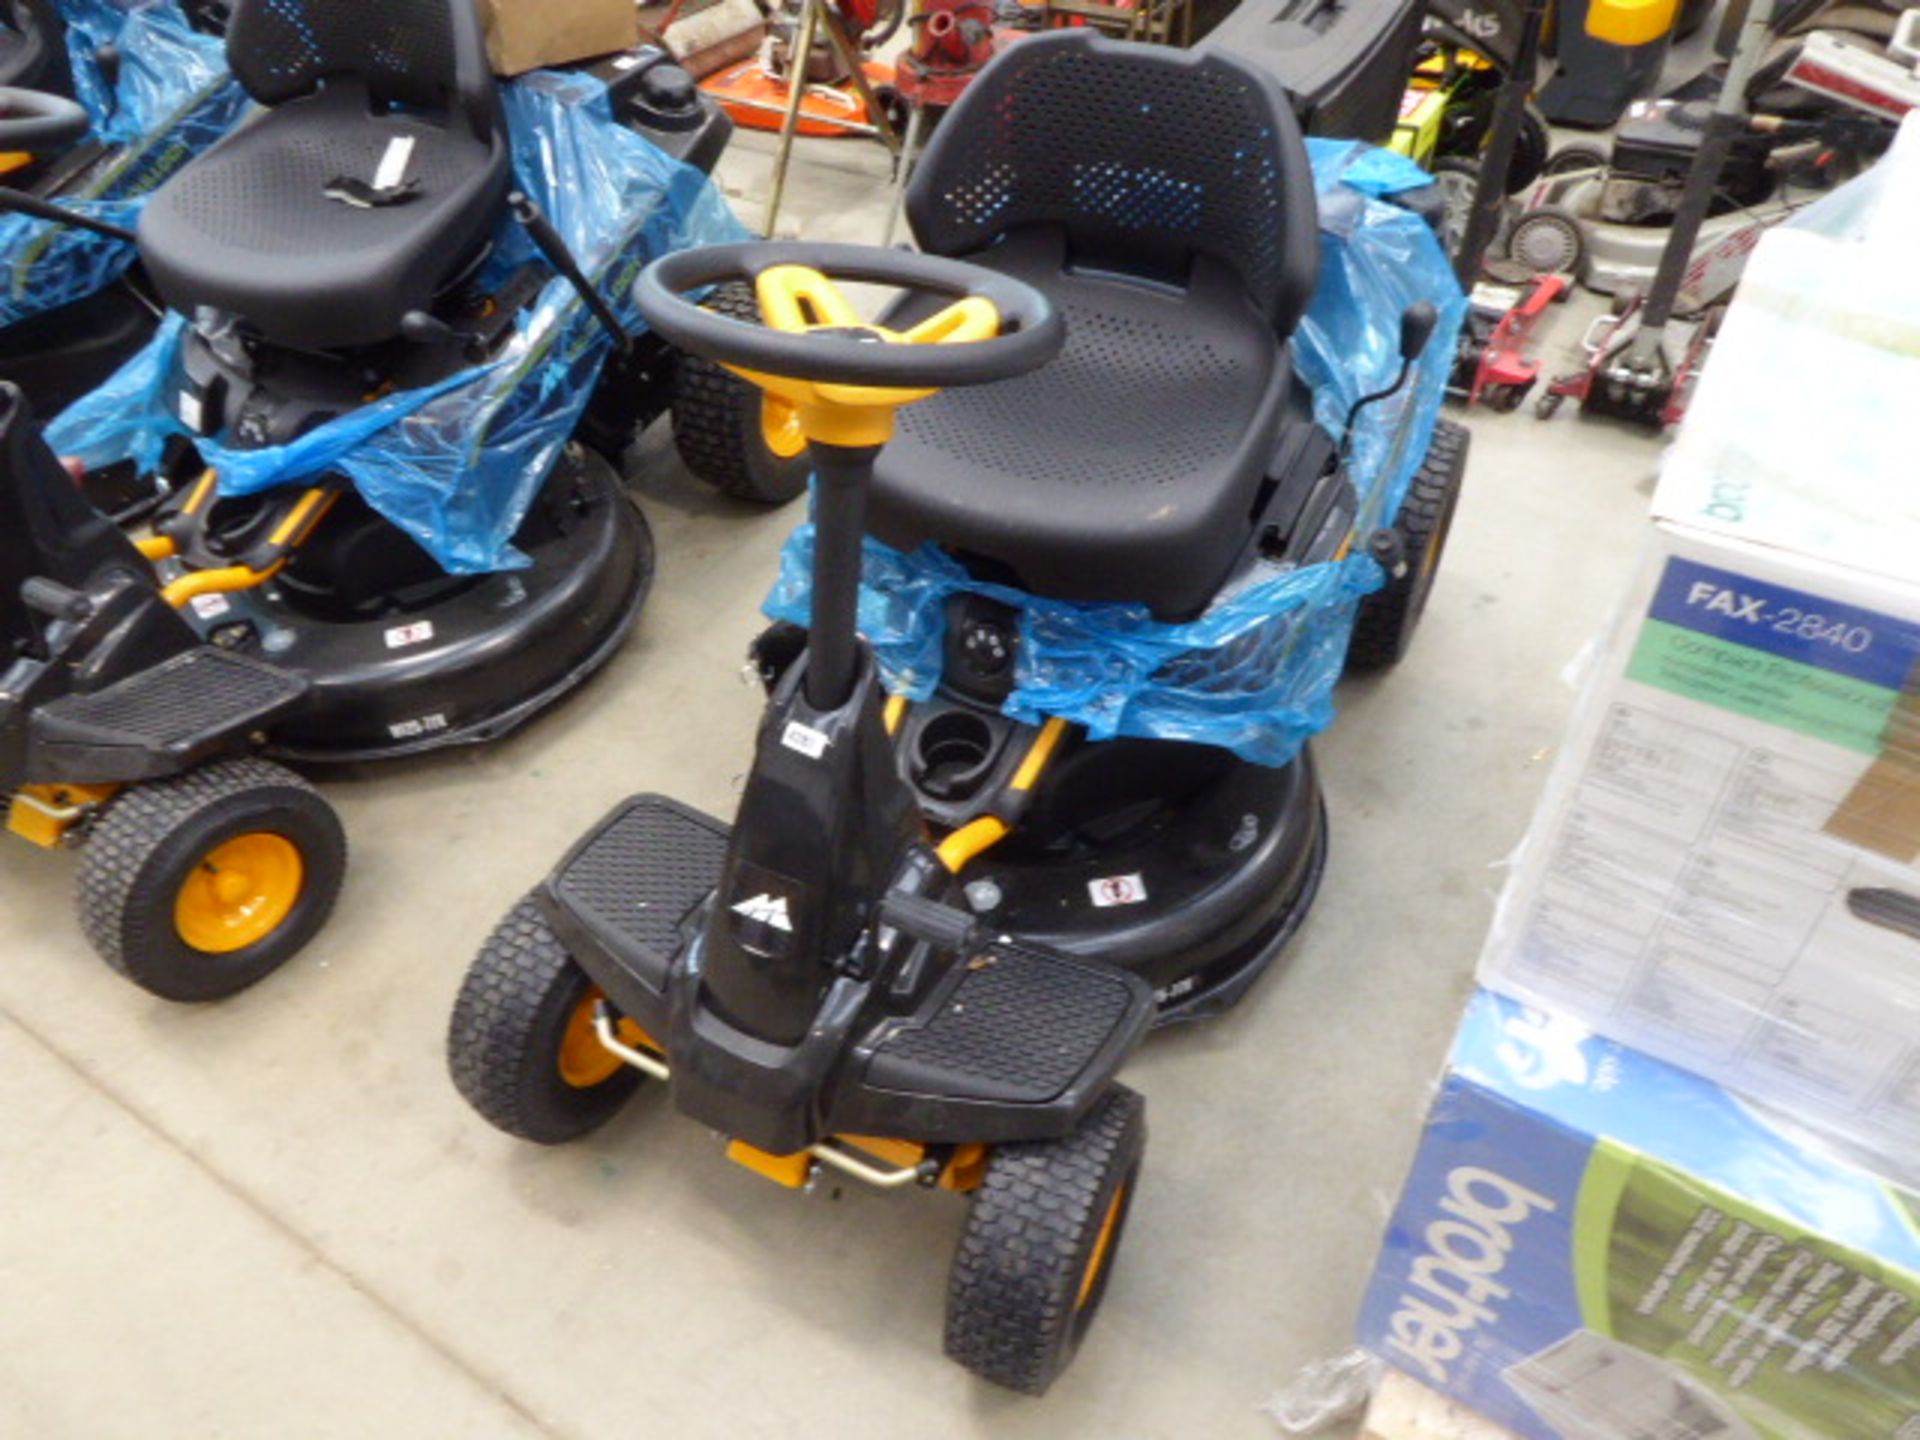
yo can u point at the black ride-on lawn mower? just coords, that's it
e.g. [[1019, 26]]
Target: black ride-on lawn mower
[[204, 866], [828, 982], [73, 305], [299, 622]]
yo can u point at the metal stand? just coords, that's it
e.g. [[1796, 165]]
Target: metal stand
[[813, 15], [903, 169]]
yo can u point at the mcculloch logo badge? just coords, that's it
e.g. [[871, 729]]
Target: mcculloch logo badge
[[769, 910]]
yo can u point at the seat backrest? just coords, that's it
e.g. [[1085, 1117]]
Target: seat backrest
[[426, 54], [1147, 157]]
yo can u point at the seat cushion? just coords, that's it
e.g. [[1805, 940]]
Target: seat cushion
[[249, 229], [1127, 470]]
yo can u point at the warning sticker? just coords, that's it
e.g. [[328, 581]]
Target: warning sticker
[[1114, 890], [401, 636]]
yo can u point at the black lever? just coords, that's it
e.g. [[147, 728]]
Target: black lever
[[25, 204], [56, 601], [939, 925], [1417, 324], [550, 244]]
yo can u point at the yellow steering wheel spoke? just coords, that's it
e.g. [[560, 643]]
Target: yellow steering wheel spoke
[[961, 323], [798, 299]]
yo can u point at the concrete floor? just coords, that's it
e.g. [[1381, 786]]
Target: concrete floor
[[274, 1217]]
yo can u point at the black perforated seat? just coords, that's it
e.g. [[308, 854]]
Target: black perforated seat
[[250, 229], [1162, 200], [1125, 470]]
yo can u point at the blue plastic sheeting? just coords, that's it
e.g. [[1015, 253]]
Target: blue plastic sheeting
[[171, 99], [456, 465], [1256, 673]]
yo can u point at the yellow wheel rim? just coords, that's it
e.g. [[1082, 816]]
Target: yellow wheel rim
[[240, 893], [584, 1061], [1102, 1248]]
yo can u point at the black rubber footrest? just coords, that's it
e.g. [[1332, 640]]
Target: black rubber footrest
[[191, 702], [1020, 1026], [634, 881]]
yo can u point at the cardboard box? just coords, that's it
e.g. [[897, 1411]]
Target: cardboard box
[[1594, 1245], [1722, 869], [525, 35]]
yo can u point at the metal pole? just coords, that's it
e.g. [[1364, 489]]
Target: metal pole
[[849, 54], [796, 91], [1490, 187], [1703, 183], [909, 152]]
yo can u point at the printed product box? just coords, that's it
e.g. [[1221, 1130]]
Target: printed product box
[[1721, 871], [1595, 1245]]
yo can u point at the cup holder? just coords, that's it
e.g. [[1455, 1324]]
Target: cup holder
[[954, 752]]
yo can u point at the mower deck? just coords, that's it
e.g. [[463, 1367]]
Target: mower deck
[[470, 665], [1197, 906]]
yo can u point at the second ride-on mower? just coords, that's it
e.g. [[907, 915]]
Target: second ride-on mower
[[74, 308], [933, 934], [300, 623]]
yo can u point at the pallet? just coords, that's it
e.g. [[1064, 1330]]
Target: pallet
[[1404, 1409]]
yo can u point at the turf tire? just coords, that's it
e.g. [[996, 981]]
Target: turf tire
[[1383, 632], [149, 842], [503, 1044], [1013, 1315], [716, 421]]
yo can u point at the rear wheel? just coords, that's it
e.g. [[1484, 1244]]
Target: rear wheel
[[197, 887], [1040, 1243], [522, 1046], [1383, 632], [1573, 158], [719, 422], [1549, 240], [1530, 149]]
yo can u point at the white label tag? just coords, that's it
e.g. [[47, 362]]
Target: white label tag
[[808, 741], [401, 636], [193, 414], [210, 607], [393, 165], [1117, 890], [425, 725]]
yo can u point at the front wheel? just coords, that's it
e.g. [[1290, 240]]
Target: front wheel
[[522, 1046], [196, 887], [719, 422], [1383, 632], [1039, 1246]]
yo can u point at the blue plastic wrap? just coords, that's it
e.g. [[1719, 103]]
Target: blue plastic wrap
[[1256, 673], [457, 464], [172, 98]]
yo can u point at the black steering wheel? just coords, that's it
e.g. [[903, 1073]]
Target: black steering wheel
[[833, 347], [33, 122]]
